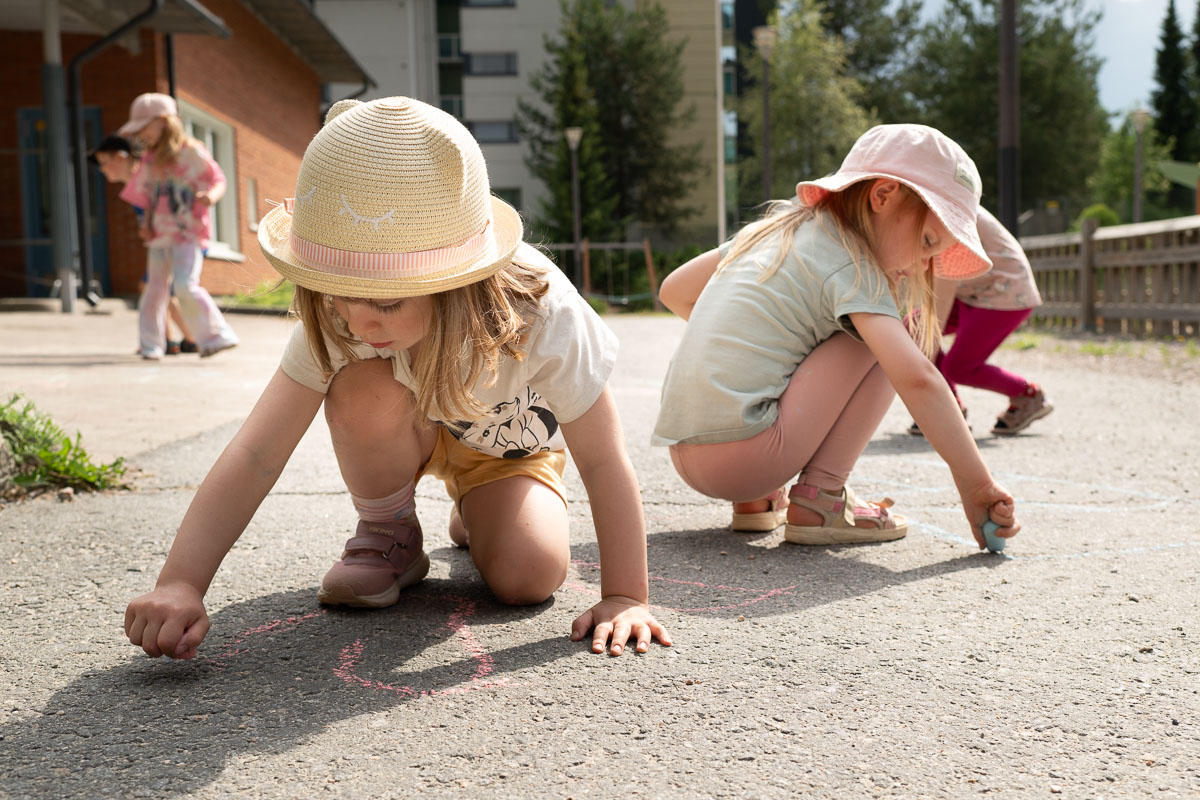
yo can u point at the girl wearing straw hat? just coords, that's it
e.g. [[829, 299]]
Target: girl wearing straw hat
[[177, 183], [439, 343], [795, 342]]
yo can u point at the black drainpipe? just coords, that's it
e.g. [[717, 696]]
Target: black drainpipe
[[75, 110], [169, 46]]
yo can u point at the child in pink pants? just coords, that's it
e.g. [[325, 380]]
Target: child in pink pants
[[981, 313]]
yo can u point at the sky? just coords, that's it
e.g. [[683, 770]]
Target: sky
[[1126, 40]]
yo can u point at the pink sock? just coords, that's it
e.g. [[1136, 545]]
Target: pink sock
[[395, 506]]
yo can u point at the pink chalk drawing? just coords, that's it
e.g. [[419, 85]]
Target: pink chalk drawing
[[763, 594], [234, 648], [347, 668], [351, 656]]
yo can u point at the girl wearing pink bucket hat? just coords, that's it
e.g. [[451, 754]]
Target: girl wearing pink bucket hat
[[441, 344], [177, 182], [795, 341]]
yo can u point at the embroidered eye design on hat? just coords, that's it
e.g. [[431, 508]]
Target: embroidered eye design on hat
[[373, 222], [399, 161]]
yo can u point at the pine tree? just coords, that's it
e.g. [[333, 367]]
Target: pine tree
[[1174, 101], [634, 83], [877, 35], [568, 102], [954, 78]]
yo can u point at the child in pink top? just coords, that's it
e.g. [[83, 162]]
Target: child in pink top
[[982, 313], [177, 182]]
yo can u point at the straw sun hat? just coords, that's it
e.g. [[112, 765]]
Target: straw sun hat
[[932, 165], [392, 201]]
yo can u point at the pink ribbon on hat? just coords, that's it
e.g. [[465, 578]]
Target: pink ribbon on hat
[[415, 264]]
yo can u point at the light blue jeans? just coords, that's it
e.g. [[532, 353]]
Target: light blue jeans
[[179, 265]]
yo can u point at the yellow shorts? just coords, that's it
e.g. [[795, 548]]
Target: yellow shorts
[[463, 469]]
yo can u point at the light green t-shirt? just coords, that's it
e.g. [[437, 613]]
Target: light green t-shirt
[[745, 338]]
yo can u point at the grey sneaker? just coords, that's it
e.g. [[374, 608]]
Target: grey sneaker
[[379, 560], [1022, 411]]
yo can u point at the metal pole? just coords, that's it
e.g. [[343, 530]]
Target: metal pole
[[57, 156], [1010, 123], [1137, 177], [766, 112], [83, 225], [575, 216]]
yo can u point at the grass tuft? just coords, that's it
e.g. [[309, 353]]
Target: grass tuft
[[47, 458]]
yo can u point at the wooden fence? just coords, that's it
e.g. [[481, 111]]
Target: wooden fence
[[1139, 280]]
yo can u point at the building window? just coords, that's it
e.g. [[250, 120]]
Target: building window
[[727, 15], [452, 104], [510, 196], [217, 138], [491, 63], [489, 3], [450, 46], [493, 132]]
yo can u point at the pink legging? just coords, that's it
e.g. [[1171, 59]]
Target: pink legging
[[978, 332], [831, 406]]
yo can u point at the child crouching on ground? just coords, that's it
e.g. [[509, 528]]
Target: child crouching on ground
[[441, 344]]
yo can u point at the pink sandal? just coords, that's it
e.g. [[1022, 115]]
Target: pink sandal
[[763, 521], [840, 515]]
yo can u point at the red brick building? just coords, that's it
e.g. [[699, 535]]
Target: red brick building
[[248, 76]]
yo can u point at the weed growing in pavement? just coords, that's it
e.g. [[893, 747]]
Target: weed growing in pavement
[[46, 457], [276, 295]]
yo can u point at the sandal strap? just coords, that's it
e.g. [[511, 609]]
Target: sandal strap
[[840, 511], [831, 507], [385, 546]]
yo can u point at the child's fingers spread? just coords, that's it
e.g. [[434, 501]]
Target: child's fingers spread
[[620, 636], [581, 626], [660, 633], [600, 636], [643, 638]]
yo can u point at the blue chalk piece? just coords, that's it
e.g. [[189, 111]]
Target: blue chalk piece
[[994, 543]]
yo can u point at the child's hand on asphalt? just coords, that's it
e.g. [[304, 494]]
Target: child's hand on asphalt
[[618, 617], [169, 621], [991, 500]]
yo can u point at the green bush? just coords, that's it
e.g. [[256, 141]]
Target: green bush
[[1099, 212], [47, 457]]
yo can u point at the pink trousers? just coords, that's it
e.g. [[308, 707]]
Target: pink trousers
[[827, 414], [977, 334]]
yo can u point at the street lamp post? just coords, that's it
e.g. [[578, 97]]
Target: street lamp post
[[1140, 116], [573, 136], [764, 42]]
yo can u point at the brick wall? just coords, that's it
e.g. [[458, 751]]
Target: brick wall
[[110, 80], [259, 85], [252, 81]]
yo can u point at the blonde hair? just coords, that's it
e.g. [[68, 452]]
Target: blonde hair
[[849, 212], [171, 140], [471, 329]]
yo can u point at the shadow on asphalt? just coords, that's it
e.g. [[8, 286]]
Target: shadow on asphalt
[[905, 443], [274, 672], [716, 572]]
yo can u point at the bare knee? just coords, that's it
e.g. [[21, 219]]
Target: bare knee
[[365, 400], [525, 579]]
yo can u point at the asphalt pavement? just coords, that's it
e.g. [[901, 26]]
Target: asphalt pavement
[[1068, 666]]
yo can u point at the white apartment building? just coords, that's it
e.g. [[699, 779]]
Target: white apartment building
[[474, 58]]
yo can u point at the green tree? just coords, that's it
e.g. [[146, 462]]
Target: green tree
[[634, 79], [877, 35], [1174, 100], [568, 101], [1112, 184], [815, 115], [954, 78]]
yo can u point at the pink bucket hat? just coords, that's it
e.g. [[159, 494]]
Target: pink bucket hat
[[932, 165], [145, 109]]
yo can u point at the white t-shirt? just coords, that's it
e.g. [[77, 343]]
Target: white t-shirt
[[569, 354], [745, 337], [1009, 284]]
